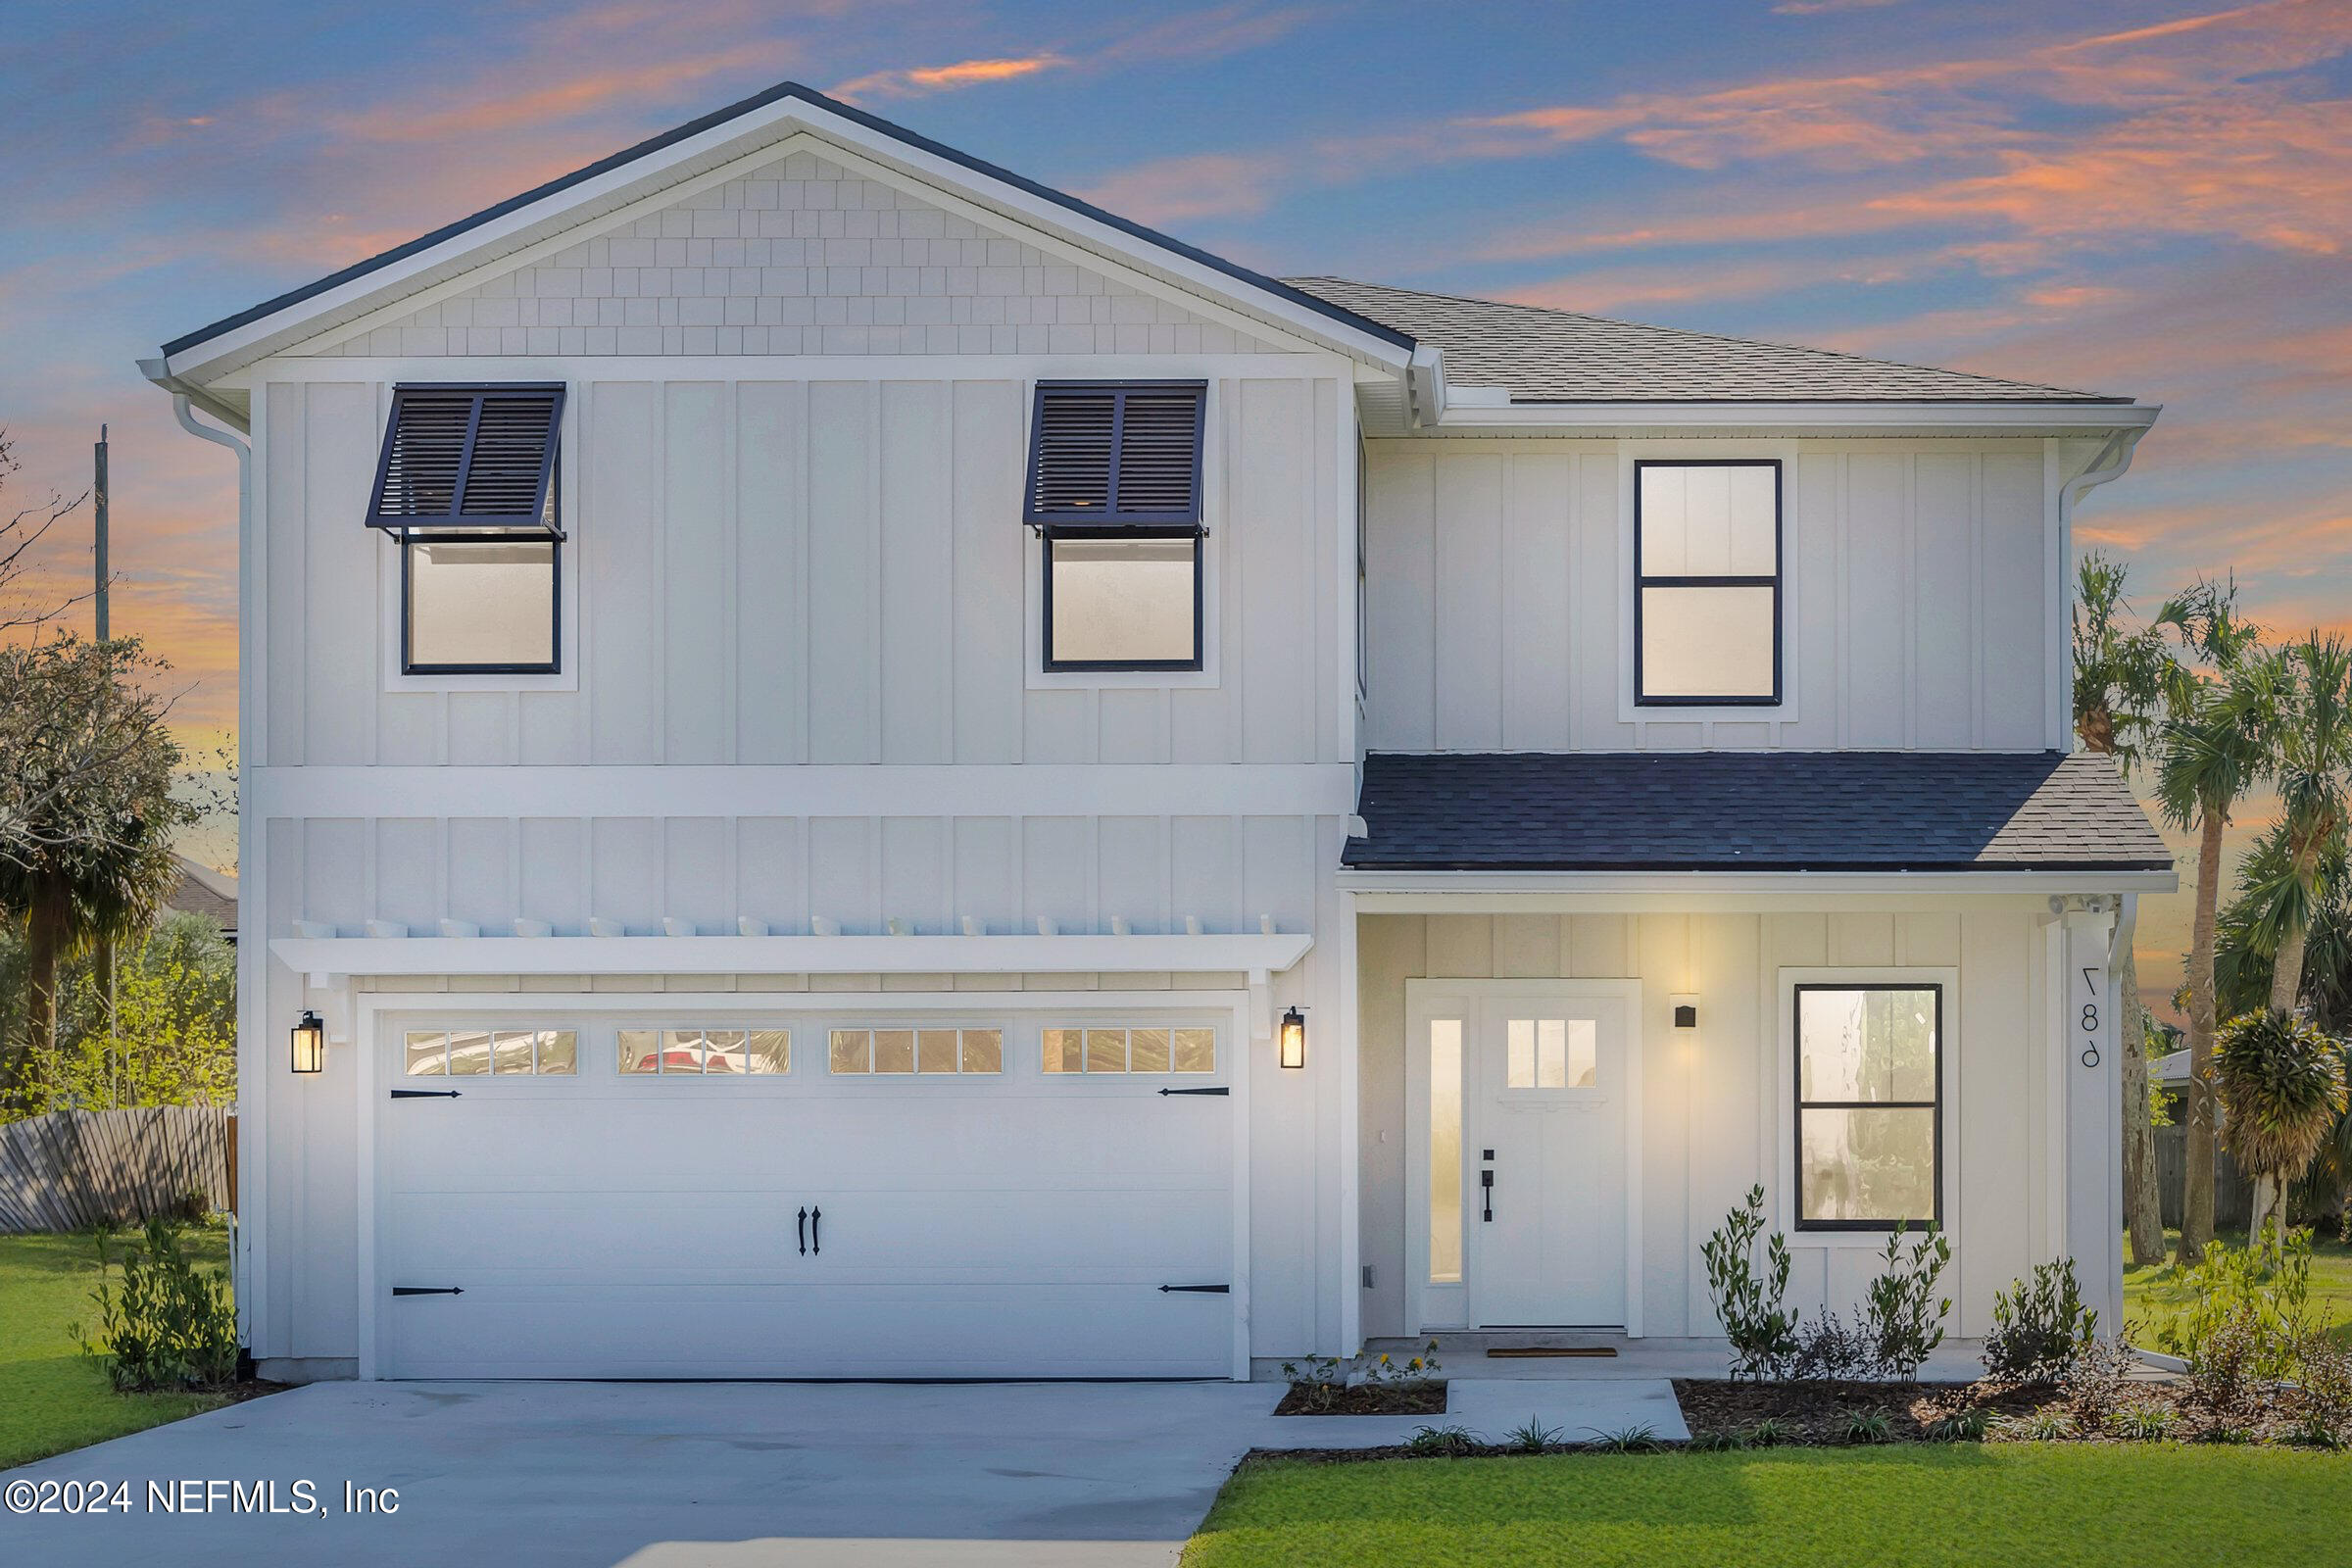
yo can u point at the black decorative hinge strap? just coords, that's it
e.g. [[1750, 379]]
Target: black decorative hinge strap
[[428, 1290], [424, 1094], [1218, 1090], [1196, 1290]]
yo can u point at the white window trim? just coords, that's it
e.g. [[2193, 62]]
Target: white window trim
[[1779, 1181], [1785, 710], [565, 678]]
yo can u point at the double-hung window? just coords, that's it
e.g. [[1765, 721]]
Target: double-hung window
[[466, 486], [1115, 491], [1869, 1106], [1707, 584]]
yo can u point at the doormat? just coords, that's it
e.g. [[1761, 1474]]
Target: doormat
[[1510, 1351]]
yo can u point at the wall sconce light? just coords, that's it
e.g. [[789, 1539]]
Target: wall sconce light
[[309, 1043], [1685, 1011], [1293, 1038]]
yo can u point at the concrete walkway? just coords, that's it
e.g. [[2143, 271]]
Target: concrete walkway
[[730, 1475]]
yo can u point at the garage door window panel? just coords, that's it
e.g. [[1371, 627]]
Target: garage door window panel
[[498, 1052], [1151, 1049], [921, 1052], [705, 1053]]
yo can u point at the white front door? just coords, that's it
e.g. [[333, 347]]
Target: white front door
[[1546, 1087]]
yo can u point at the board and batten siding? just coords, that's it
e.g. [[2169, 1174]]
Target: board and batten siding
[[1916, 576], [826, 570], [1711, 1103]]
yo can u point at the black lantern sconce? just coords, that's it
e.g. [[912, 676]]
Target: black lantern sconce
[[1292, 1039], [309, 1043]]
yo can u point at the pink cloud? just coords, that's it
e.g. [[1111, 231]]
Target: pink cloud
[[1170, 190]]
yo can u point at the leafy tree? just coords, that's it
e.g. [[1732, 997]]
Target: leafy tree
[[86, 815], [2281, 1086], [2213, 750], [2124, 680]]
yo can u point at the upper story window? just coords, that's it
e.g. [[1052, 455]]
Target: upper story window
[[1707, 584], [466, 485], [1114, 488]]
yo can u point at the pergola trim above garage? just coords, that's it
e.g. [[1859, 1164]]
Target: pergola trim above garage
[[1227, 953]]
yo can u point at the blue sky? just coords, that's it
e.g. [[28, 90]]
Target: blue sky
[[2151, 198]]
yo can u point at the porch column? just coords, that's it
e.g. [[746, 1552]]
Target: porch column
[[2088, 1043]]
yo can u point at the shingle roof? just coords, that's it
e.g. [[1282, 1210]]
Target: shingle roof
[[1752, 812], [201, 890], [1548, 356]]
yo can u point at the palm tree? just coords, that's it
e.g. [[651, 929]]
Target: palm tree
[[2215, 747], [2281, 1086], [2121, 678], [2311, 743]]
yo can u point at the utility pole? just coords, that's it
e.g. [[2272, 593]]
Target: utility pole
[[98, 493]]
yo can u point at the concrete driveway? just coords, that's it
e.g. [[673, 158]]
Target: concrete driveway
[[667, 1475]]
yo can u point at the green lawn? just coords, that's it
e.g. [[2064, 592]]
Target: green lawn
[[51, 1399], [2018, 1505], [2154, 1292]]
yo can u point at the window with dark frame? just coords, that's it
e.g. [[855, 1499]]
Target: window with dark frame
[[466, 486], [1869, 1088], [1707, 584], [1114, 493]]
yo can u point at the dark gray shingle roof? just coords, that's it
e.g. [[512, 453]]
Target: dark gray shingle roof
[[1752, 812], [1548, 356]]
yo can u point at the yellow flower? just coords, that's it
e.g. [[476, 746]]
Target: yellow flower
[[1384, 1358]]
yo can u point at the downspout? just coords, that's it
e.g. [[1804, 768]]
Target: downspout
[[252, 1086]]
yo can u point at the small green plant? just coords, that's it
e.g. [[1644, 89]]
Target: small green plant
[[1641, 1439], [2227, 1432], [170, 1325], [2144, 1423], [1868, 1425], [2039, 1329], [2225, 1378], [2325, 1392], [2049, 1426], [1321, 1382], [1715, 1442], [1828, 1352], [1768, 1433], [1901, 1317], [1748, 1300], [2228, 1284], [2094, 1386], [1440, 1440], [1961, 1426], [1532, 1437]]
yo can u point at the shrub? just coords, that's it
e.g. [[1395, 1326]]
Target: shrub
[[2147, 1423], [1961, 1426], [2039, 1330], [2223, 1378], [1826, 1351], [1532, 1437], [2325, 1396], [1641, 1439], [1715, 1442], [2094, 1384], [171, 1325], [1749, 1301], [1902, 1318], [1452, 1441], [2229, 1283], [1868, 1425]]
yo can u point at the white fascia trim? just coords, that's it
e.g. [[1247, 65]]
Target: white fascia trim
[[1010, 789], [783, 118], [335, 957], [1812, 418], [1425, 891]]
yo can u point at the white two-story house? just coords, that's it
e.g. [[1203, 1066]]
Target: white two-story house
[[856, 768]]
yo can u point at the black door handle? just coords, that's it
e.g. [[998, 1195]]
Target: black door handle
[[816, 1242], [803, 1230], [1486, 1183]]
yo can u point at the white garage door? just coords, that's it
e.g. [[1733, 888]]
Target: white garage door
[[666, 1197]]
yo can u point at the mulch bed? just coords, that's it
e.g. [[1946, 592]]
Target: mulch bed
[[1366, 1399], [1820, 1414]]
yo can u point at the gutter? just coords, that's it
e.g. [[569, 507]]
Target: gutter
[[2127, 421]]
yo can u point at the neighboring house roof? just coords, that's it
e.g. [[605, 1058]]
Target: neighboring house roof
[[201, 890], [1541, 355], [1751, 811], [2170, 1070]]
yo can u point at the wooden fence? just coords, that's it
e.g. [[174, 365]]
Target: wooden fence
[[75, 1168], [2232, 1192]]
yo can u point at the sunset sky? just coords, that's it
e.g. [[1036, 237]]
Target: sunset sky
[[2145, 198]]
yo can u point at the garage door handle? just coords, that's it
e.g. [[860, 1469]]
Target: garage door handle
[[428, 1290], [1196, 1290], [1219, 1090], [424, 1094], [817, 1239], [803, 1225]]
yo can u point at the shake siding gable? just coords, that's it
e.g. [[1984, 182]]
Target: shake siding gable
[[801, 257]]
